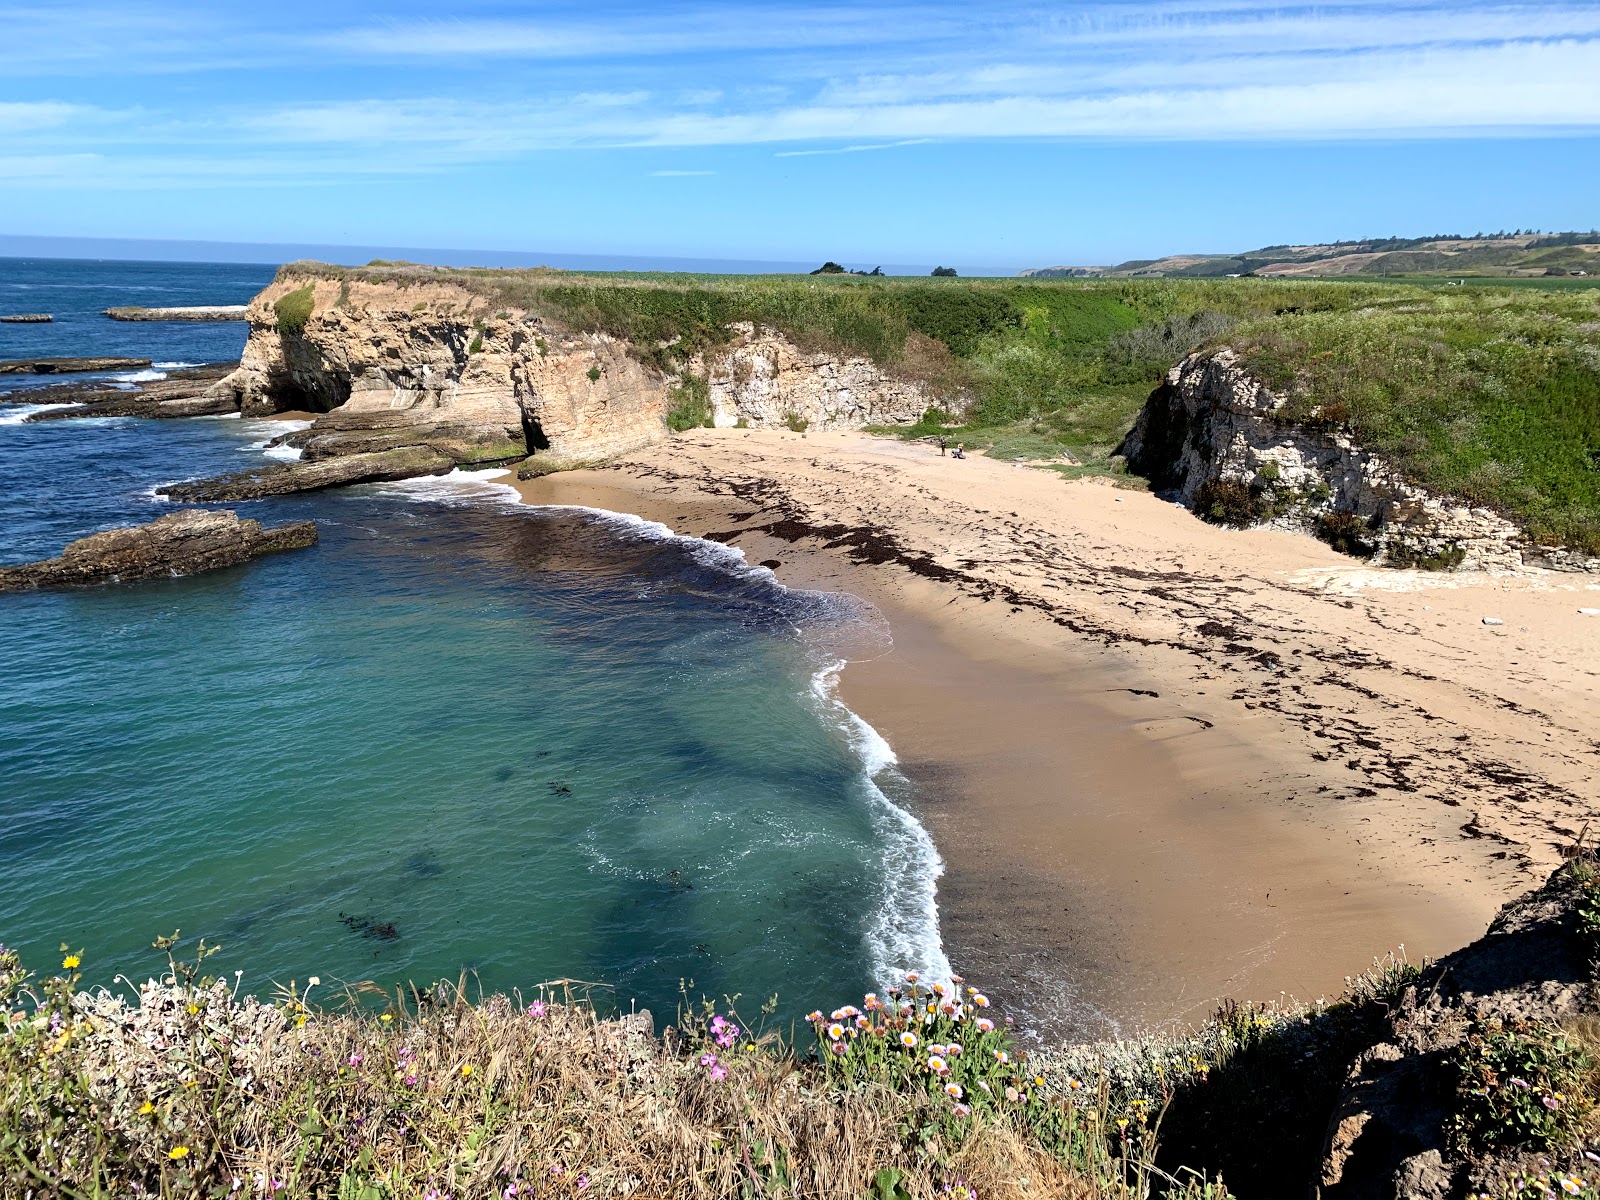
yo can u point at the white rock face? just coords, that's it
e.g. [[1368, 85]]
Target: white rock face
[[1212, 423], [390, 358]]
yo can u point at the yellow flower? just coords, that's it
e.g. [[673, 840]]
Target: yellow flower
[[71, 962], [146, 1109], [193, 1008], [465, 1071], [178, 1152], [386, 1017]]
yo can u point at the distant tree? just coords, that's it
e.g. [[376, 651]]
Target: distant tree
[[829, 268], [945, 272], [875, 271]]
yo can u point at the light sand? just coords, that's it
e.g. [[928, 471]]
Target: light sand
[[1165, 762]]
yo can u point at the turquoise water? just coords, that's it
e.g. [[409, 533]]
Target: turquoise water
[[457, 735]]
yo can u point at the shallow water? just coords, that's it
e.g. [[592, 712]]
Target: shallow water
[[457, 735]]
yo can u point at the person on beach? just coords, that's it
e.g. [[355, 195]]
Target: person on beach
[[942, 440], [959, 451]]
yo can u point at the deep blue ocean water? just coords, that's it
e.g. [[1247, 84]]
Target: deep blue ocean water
[[537, 743]]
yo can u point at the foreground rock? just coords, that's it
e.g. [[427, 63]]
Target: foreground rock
[[201, 312], [60, 366], [183, 393], [180, 543], [282, 479], [27, 319], [1216, 438]]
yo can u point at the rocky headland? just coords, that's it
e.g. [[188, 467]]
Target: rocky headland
[[179, 543]]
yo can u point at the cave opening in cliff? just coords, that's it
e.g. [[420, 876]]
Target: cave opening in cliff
[[533, 434]]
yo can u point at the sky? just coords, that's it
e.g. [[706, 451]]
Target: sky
[[990, 136]]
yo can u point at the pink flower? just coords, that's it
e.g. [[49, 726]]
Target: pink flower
[[355, 1060], [536, 1009], [839, 1048], [719, 1073], [583, 1182], [708, 1060]]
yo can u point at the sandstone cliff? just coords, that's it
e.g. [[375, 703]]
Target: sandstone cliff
[[1219, 441], [431, 364]]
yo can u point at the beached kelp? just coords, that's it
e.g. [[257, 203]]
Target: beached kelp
[[190, 1089]]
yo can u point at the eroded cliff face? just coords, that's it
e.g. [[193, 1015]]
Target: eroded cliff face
[[1217, 439], [390, 366]]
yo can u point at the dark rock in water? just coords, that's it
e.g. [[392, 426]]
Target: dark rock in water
[[58, 366], [370, 927], [183, 393], [284, 479], [194, 312], [180, 543], [27, 319]]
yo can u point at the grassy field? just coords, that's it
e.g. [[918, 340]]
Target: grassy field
[[1490, 393]]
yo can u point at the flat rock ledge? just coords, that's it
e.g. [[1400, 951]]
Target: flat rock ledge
[[26, 319], [194, 312], [60, 366], [283, 479], [185, 392], [179, 543]]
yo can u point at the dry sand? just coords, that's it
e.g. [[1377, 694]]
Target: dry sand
[[1165, 763]]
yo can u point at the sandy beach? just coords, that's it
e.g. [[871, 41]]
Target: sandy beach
[[1165, 763]]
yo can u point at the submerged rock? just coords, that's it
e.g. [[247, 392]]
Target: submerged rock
[[180, 543], [283, 479]]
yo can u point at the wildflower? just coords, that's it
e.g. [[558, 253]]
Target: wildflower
[[583, 1182], [536, 1009], [355, 1060], [1071, 1083], [1517, 1083], [953, 1090], [912, 977], [466, 1071], [980, 999], [953, 1049], [839, 1048], [411, 1081], [386, 1018], [814, 1017], [1011, 1094], [71, 962], [718, 1022], [194, 1009], [1592, 1156], [313, 982], [1000, 1056], [719, 1073], [985, 1025], [1571, 1184], [1550, 1102], [836, 1031], [939, 989], [989, 1090], [957, 979], [908, 1040], [863, 1023], [510, 1191], [961, 1110], [936, 1064], [708, 1060], [177, 1153]]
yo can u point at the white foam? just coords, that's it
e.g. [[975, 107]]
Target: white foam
[[904, 933], [175, 366], [702, 550], [455, 487], [16, 414], [146, 376], [282, 453]]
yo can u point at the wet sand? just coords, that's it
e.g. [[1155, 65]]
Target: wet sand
[[1165, 764]]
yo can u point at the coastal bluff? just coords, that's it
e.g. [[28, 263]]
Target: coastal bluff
[[437, 361]]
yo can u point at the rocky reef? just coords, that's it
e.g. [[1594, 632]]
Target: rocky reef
[[197, 312], [183, 393], [282, 479], [179, 543], [62, 366], [1220, 441]]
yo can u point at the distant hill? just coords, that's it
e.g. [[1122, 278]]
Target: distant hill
[[1482, 254]]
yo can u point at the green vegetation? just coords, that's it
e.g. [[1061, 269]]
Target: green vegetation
[[1523, 1085], [475, 346], [689, 404], [796, 423], [944, 272], [294, 309], [1491, 394]]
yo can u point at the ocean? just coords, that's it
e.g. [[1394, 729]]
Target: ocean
[[459, 736]]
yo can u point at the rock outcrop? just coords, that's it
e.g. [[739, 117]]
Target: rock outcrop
[[390, 365], [26, 319], [194, 312], [61, 366], [1400, 1128], [283, 479], [179, 543], [183, 393], [1217, 439]]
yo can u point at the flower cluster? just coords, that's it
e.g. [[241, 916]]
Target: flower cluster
[[932, 1036]]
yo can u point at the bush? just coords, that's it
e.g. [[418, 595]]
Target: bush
[[944, 272], [1346, 533], [476, 345], [1229, 502], [1522, 1085], [593, 373], [796, 422], [293, 309], [689, 405]]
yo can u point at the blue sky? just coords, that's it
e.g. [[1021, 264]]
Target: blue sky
[[1002, 135]]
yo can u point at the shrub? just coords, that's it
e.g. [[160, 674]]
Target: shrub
[[689, 405], [293, 309], [1346, 533], [1407, 555], [476, 345], [1522, 1085], [944, 272], [1229, 502], [829, 268], [593, 373], [796, 422]]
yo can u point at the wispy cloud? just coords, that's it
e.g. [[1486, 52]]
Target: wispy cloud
[[806, 80]]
